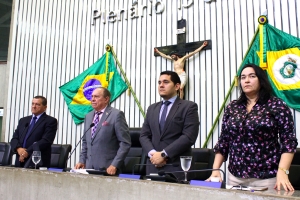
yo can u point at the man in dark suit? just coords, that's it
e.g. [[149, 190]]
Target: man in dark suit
[[34, 132], [107, 143], [170, 127]]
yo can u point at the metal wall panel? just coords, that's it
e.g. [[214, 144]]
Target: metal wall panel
[[53, 41]]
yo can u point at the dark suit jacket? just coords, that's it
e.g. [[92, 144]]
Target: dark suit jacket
[[179, 134], [42, 134], [111, 142]]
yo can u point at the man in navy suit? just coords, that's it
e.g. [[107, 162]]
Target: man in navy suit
[[166, 142], [34, 132]]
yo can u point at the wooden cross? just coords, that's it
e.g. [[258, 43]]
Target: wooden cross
[[182, 47]]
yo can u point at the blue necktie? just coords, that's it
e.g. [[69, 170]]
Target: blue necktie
[[29, 130], [164, 115]]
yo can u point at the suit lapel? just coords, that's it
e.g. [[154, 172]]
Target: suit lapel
[[39, 121], [89, 121], [156, 114], [105, 115], [28, 120], [171, 114]]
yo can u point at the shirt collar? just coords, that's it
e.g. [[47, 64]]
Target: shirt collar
[[172, 100], [37, 116], [102, 111]]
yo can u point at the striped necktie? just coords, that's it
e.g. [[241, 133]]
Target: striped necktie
[[96, 122]]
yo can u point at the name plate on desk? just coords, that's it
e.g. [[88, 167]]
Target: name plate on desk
[[130, 176], [206, 183], [55, 169]]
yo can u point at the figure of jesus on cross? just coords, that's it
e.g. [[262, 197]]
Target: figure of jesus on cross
[[178, 63]]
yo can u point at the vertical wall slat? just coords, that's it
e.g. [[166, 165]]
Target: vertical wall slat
[[54, 41]]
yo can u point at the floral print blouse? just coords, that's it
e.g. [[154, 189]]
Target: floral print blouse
[[256, 140]]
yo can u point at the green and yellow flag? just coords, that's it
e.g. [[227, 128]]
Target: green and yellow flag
[[78, 92], [278, 53]]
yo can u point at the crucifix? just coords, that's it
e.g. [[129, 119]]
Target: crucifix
[[177, 53]]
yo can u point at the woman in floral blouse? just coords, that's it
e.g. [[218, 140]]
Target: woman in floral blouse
[[258, 134]]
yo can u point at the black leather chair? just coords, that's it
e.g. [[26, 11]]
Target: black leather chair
[[136, 157], [294, 175], [5, 154], [59, 155], [203, 159]]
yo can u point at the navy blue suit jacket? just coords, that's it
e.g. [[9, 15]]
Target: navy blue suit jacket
[[42, 136]]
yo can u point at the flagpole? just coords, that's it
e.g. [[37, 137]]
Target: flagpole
[[218, 116], [227, 97], [110, 48]]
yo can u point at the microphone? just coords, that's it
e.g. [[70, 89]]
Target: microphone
[[25, 127], [92, 124], [162, 173], [173, 164]]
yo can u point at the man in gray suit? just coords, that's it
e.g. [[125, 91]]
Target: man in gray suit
[[107, 143], [170, 128]]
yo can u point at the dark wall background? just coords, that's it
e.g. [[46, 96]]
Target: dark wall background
[[5, 17]]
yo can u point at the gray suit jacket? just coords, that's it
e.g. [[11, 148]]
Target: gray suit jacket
[[179, 134], [111, 142]]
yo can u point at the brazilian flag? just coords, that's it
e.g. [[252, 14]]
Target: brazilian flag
[[78, 92], [278, 53]]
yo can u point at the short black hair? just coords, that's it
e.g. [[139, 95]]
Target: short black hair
[[174, 76], [265, 91], [44, 100]]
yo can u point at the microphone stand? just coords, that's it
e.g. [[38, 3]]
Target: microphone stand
[[92, 124]]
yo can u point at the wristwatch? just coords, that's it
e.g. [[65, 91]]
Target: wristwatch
[[285, 170], [163, 154]]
